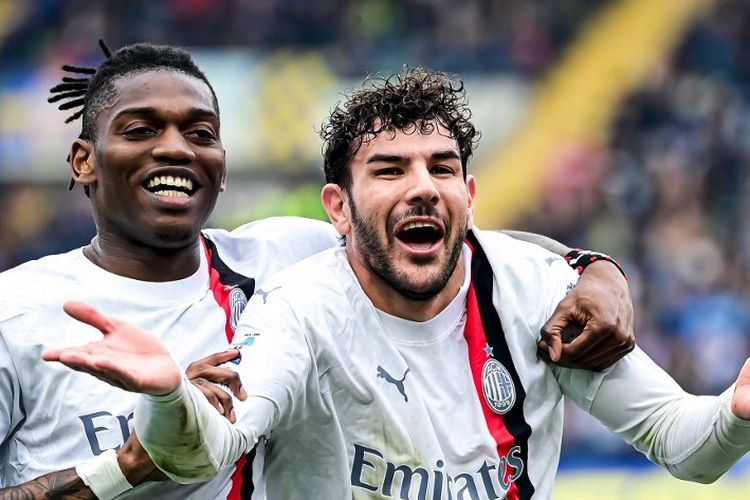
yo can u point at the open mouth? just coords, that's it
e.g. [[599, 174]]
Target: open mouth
[[420, 234], [172, 186]]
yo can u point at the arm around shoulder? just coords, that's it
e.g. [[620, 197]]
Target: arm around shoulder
[[593, 326]]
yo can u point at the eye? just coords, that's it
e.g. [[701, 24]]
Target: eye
[[388, 172], [203, 134], [136, 131], [443, 170]]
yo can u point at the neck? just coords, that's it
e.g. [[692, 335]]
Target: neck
[[387, 299], [142, 262]]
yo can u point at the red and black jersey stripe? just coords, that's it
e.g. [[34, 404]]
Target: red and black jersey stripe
[[222, 280], [483, 328]]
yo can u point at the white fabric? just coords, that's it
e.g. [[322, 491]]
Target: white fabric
[[103, 475], [53, 418], [313, 349]]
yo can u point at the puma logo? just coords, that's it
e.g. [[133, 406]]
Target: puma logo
[[398, 383], [263, 294]]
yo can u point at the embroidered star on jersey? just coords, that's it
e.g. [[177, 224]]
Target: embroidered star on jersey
[[489, 350]]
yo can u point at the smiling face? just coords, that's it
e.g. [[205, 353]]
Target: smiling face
[[157, 165], [406, 212]]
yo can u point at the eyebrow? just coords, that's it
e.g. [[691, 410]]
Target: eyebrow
[[448, 154], [385, 158], [150, 112]]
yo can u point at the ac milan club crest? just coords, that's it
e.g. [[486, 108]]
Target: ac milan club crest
[[497, 386], [237, 303]]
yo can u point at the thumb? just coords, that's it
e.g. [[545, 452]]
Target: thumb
[[555, 347], [552, 335], [740, 404], [743, 380], [88, 314]]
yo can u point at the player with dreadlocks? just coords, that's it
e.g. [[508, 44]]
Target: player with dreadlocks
[[150, 158]]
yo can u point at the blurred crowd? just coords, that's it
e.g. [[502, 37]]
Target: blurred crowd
[[667, 195], [453, 35]]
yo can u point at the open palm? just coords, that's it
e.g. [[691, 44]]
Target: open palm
[[126, 357]]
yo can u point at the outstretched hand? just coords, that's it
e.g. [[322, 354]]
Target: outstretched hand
[[126, 357], [593, 327]]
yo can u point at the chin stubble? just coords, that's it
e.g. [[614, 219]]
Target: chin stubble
[[377, 257]]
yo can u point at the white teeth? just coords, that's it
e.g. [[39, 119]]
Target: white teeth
[[418, 224], [171, 193], [168, 180]]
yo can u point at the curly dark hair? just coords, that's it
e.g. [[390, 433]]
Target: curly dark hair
[[411, 101]]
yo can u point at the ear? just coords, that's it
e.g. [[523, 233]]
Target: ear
[[334, 201], [223, 186], [471, 188], [83, 162]]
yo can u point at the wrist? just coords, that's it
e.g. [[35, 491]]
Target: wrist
[[136, 467], [103, 475], [580, 259]]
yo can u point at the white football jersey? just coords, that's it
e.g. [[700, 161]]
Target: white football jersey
[[54, 418], [348, 402]]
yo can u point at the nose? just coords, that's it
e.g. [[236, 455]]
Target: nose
[[173, 147], [422, 188]]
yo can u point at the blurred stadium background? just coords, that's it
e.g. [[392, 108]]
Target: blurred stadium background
[[618, 125]]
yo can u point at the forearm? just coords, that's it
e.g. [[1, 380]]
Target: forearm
[[104, 476], [64, 484], [696, 438], [702, 440], [189, 440], [549, 244]]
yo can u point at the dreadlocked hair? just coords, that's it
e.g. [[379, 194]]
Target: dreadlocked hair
[[93, 92], [73, 90], [413, 102], [93, 88]]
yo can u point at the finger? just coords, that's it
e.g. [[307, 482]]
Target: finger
[[78, 359], [208, 392], [225, 400], [554, 347], [552, 333], [52, 354], [219, 358], [543, 351], [235, 385], [223, 376], [744, 377], [86, 363], [214, 374], [219, 398], [88, 314], [589, 338]]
